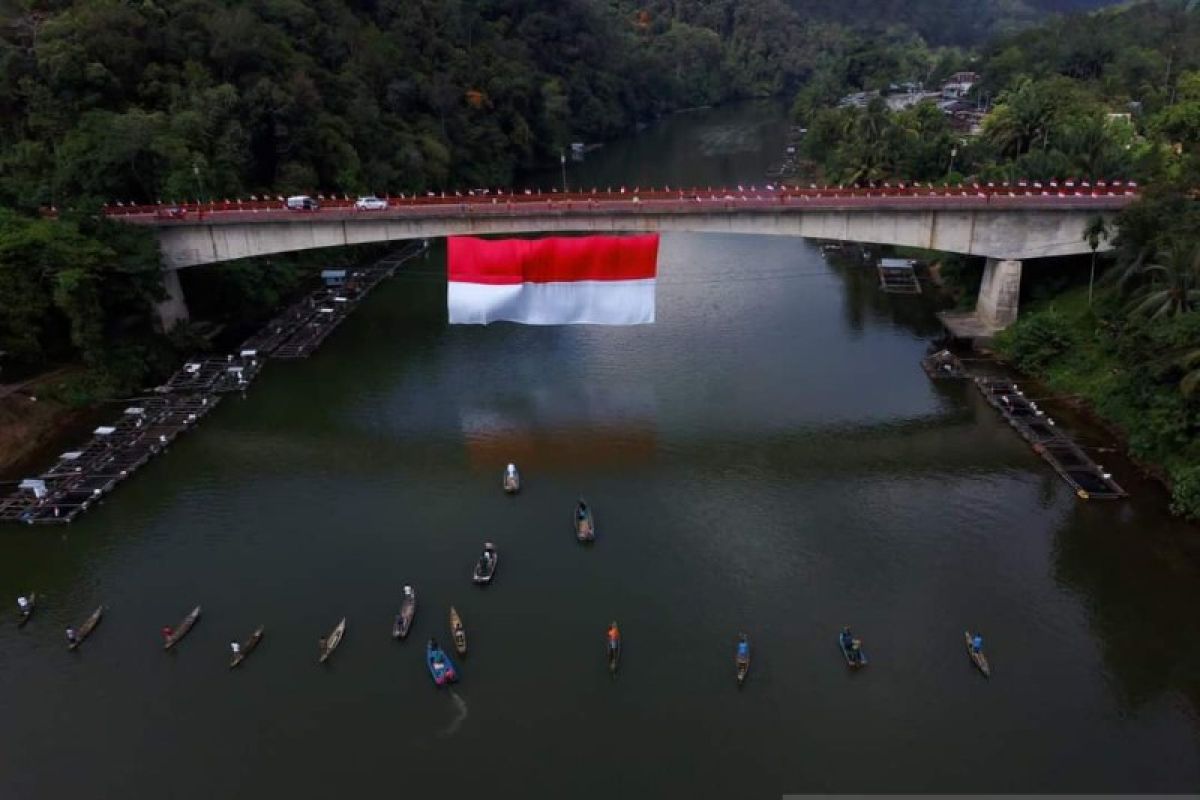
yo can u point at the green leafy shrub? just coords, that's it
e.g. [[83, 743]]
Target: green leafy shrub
[[1185, 492], [1037, 339]]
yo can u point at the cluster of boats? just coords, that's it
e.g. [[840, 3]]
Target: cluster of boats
[[441, 668]]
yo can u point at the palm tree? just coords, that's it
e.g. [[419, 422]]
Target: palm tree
[[1174, 286], [1095, 231]]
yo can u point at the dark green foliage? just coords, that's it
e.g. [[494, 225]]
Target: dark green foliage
[[1185, 492], [1041, 337]]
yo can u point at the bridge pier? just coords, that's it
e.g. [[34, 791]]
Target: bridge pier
[[173, 309], [999, 293], [997, 305]]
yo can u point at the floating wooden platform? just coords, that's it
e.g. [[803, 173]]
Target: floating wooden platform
[[898, 276], [81, 477], [1086, 477], [943, 365]]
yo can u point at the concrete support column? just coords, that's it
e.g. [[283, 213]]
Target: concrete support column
[[173, 309], [999, 293]]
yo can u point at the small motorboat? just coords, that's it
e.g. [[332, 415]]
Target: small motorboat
[[485, 567], [977, 657], [584, 522], [25, 613], [330, 642], [408, 607], [742, 658], [441, 668], [458, 632], [173, 637], [85, 630], [614, 648], [512, 479], [852, 649], [246, 647]]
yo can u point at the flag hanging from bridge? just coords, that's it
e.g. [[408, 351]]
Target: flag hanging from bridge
[[586, 280]]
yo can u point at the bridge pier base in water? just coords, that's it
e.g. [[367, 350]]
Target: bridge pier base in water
[[997, 306], [173, 308]]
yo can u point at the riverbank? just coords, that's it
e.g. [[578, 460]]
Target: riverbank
[[1125, 375]]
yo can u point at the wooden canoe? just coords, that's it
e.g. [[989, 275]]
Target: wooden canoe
[[978, 659], [247, 647], [458, 632], [403, 621], [614, 650], [742, 662], [330, 642], [585, 528], [512, 482], [23, 616], [85, 630], [185, 625], [485, 569], [853, 659]]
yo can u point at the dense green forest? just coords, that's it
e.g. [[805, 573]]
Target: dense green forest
[[1112, 95]]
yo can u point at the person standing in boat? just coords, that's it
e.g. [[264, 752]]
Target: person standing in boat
[[23, 604], [614, 635], [977, 643], [847, 637], [167, 632], [235, 648], [72, 637]]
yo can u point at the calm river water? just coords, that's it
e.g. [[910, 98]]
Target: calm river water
[[768, 457]]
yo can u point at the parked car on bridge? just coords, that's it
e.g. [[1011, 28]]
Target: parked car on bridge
[[370, 203], [301, 202]]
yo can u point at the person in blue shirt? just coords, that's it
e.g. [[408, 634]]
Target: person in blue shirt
[[977, 643], [847, 638], [743, 648]]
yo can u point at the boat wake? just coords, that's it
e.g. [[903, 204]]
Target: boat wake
[[460, 711]]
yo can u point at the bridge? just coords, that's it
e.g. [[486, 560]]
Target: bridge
[[1006, 224]]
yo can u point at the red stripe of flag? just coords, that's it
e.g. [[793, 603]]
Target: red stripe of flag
[[557, 259]]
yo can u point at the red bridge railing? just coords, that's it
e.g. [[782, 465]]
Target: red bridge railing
[[664, 199]]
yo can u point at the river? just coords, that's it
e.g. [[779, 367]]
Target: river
[[768, 457]]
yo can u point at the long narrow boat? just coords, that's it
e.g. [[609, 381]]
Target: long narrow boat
[[185, 625], [614, 648], [408, 608], [485, 567], [741, 658], [854, 655], [584, 522], [512, 479], [247, 647], [27, 612], [85, 630], [441, 668], [330, 642], [978, 659], [458, 632]]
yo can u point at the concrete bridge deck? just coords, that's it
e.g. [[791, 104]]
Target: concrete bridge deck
[[1005, 224]]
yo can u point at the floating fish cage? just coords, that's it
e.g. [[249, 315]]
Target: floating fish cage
[[79, 478], [1087, 478]]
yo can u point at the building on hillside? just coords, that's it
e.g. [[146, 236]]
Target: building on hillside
[[959, 84]]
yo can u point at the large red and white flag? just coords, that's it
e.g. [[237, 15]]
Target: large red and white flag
[[590, 280]]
